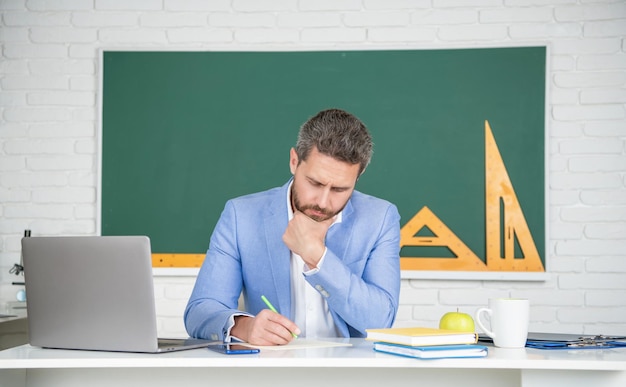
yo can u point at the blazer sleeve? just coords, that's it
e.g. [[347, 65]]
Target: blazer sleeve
[[215, 295], [361, 283]]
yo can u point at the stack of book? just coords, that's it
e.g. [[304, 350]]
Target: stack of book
[[426, 343]]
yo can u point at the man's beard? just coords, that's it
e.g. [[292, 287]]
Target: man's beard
[[302, 208]]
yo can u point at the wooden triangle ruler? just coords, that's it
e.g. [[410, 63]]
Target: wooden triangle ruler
[[506, 227]]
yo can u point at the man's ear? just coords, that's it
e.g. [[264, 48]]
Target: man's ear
[[293, 161]]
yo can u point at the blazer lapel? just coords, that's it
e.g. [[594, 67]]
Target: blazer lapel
[[339, 235]]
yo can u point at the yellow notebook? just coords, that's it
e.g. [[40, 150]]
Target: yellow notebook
[[419, 336]]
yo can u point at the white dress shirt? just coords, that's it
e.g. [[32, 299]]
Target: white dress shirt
[[311, 313]]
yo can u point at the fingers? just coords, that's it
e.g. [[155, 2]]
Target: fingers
[[271, 328], [280, 325], [305, 237]]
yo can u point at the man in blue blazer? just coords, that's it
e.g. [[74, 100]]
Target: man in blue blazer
[[325, 255]]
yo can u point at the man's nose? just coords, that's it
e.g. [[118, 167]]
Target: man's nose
[[322, 198]]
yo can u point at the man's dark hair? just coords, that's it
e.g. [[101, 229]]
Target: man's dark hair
[[338, 134]]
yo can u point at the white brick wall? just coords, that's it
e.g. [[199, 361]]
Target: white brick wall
[[48, 118]]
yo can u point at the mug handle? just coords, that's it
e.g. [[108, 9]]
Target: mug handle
[[479, 312]]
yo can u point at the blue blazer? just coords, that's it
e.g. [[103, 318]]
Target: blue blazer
[[360, 277]]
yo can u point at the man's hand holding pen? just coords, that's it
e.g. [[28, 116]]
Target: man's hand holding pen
[[266, 328]]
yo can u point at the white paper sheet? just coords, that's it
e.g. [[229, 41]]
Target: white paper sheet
[[299, 344]]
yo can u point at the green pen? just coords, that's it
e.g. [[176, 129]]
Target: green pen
[[269, 305]]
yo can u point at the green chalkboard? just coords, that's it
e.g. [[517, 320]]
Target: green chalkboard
[[182, 132]]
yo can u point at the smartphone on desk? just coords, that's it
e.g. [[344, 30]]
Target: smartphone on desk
[[232, 349]]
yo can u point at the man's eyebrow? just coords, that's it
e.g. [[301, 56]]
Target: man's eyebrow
[[315, 181]]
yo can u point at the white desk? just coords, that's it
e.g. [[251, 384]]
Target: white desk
[[358, 365], [14, 329]]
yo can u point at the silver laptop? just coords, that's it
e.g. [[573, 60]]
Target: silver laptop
[[93, 293]]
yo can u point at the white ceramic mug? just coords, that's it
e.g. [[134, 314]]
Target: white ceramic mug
[[508, 321]]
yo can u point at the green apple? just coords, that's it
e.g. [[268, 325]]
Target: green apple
[[457, 321]]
